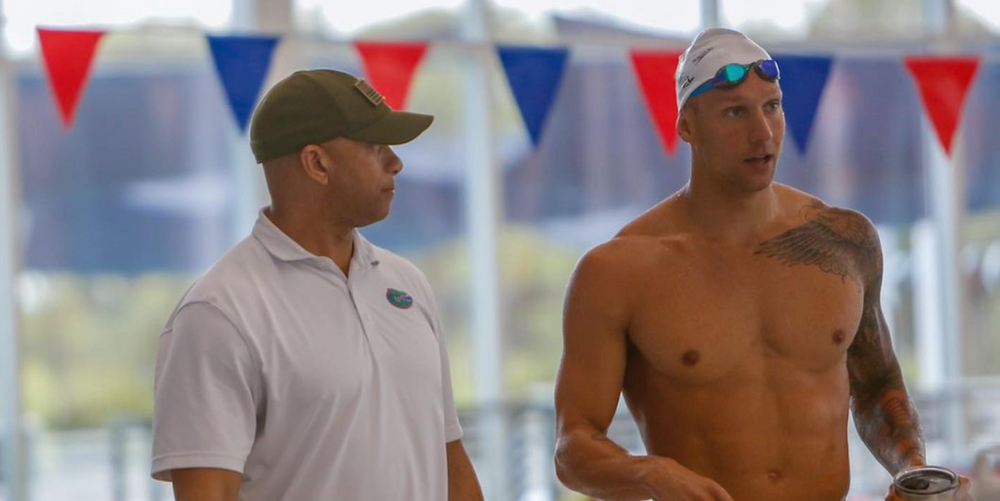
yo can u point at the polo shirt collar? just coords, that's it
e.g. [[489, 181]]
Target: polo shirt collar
[[282, 247]]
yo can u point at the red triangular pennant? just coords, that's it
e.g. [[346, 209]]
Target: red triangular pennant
[[390, 67], [655, 70], [943, 84], [68, 56]]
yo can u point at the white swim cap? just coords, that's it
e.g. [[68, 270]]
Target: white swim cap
[[710, 51]]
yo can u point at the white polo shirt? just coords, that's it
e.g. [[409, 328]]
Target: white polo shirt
[[313, 385]]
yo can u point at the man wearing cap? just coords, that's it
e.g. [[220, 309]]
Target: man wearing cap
[[739, 318], [307, 363]]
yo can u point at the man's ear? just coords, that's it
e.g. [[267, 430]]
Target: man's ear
[[316, 163], [684, 129]]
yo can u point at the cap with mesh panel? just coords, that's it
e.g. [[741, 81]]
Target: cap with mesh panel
[[313, 106]]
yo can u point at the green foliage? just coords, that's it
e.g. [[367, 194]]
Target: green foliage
[[533, 273], [89, 343]]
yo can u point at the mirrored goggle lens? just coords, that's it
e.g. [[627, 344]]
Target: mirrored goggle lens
[[769, 69], [733, 73]]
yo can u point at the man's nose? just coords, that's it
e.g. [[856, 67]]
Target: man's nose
[[395, 165], [761, 128]]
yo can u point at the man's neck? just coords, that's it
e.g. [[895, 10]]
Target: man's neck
[[732, 218], [316, 236]]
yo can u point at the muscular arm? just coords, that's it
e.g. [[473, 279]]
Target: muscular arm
[[883, 414], [845, 243], [462, 482], [205, 484], [588, 385]]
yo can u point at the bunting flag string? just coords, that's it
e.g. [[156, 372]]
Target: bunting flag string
[[534, 75], [68, 56], [655, 72], [943, 84], [242, 63], [390, 67], [803, 79]]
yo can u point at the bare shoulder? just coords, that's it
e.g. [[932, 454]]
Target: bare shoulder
[[597, 298], [848, 224], [808, 207], [613, 261], [841, 241], [612, 272], [660, 221]]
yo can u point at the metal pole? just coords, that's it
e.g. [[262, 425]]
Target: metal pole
[[269, 16], [939, 17], [484, 212], [119, 460], [710, 14], [11, 465], [257, 16], [946, 197], [947, 202]]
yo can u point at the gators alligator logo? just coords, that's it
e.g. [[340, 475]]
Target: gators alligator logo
[[399, 299]]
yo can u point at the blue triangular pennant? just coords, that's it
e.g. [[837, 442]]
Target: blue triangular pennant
[[534, 75], [803, 79], [242, 63]]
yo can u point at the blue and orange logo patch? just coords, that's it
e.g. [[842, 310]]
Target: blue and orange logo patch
[[399, 299]]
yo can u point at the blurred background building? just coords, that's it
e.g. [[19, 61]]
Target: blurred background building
[[105, 224]]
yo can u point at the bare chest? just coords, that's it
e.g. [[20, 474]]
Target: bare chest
[[707, 318]]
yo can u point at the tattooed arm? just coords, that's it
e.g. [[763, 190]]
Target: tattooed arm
[[883, 414], [588, 386], [845, 243]]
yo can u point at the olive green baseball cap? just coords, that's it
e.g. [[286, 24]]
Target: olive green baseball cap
[[314, 106]]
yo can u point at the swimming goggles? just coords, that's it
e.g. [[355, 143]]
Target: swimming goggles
[[733, 74]]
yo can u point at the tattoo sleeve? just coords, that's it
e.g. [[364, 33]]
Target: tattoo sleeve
[[883, 413], [845, 243]]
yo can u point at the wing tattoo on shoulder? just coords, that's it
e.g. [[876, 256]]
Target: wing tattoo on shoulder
[[841, 242]]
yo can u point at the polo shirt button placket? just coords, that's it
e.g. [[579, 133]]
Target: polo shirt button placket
[[363, 317]]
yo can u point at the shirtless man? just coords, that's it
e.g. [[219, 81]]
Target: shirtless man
[[739, 317]]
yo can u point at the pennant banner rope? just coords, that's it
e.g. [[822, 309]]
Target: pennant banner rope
[[534, 74]]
